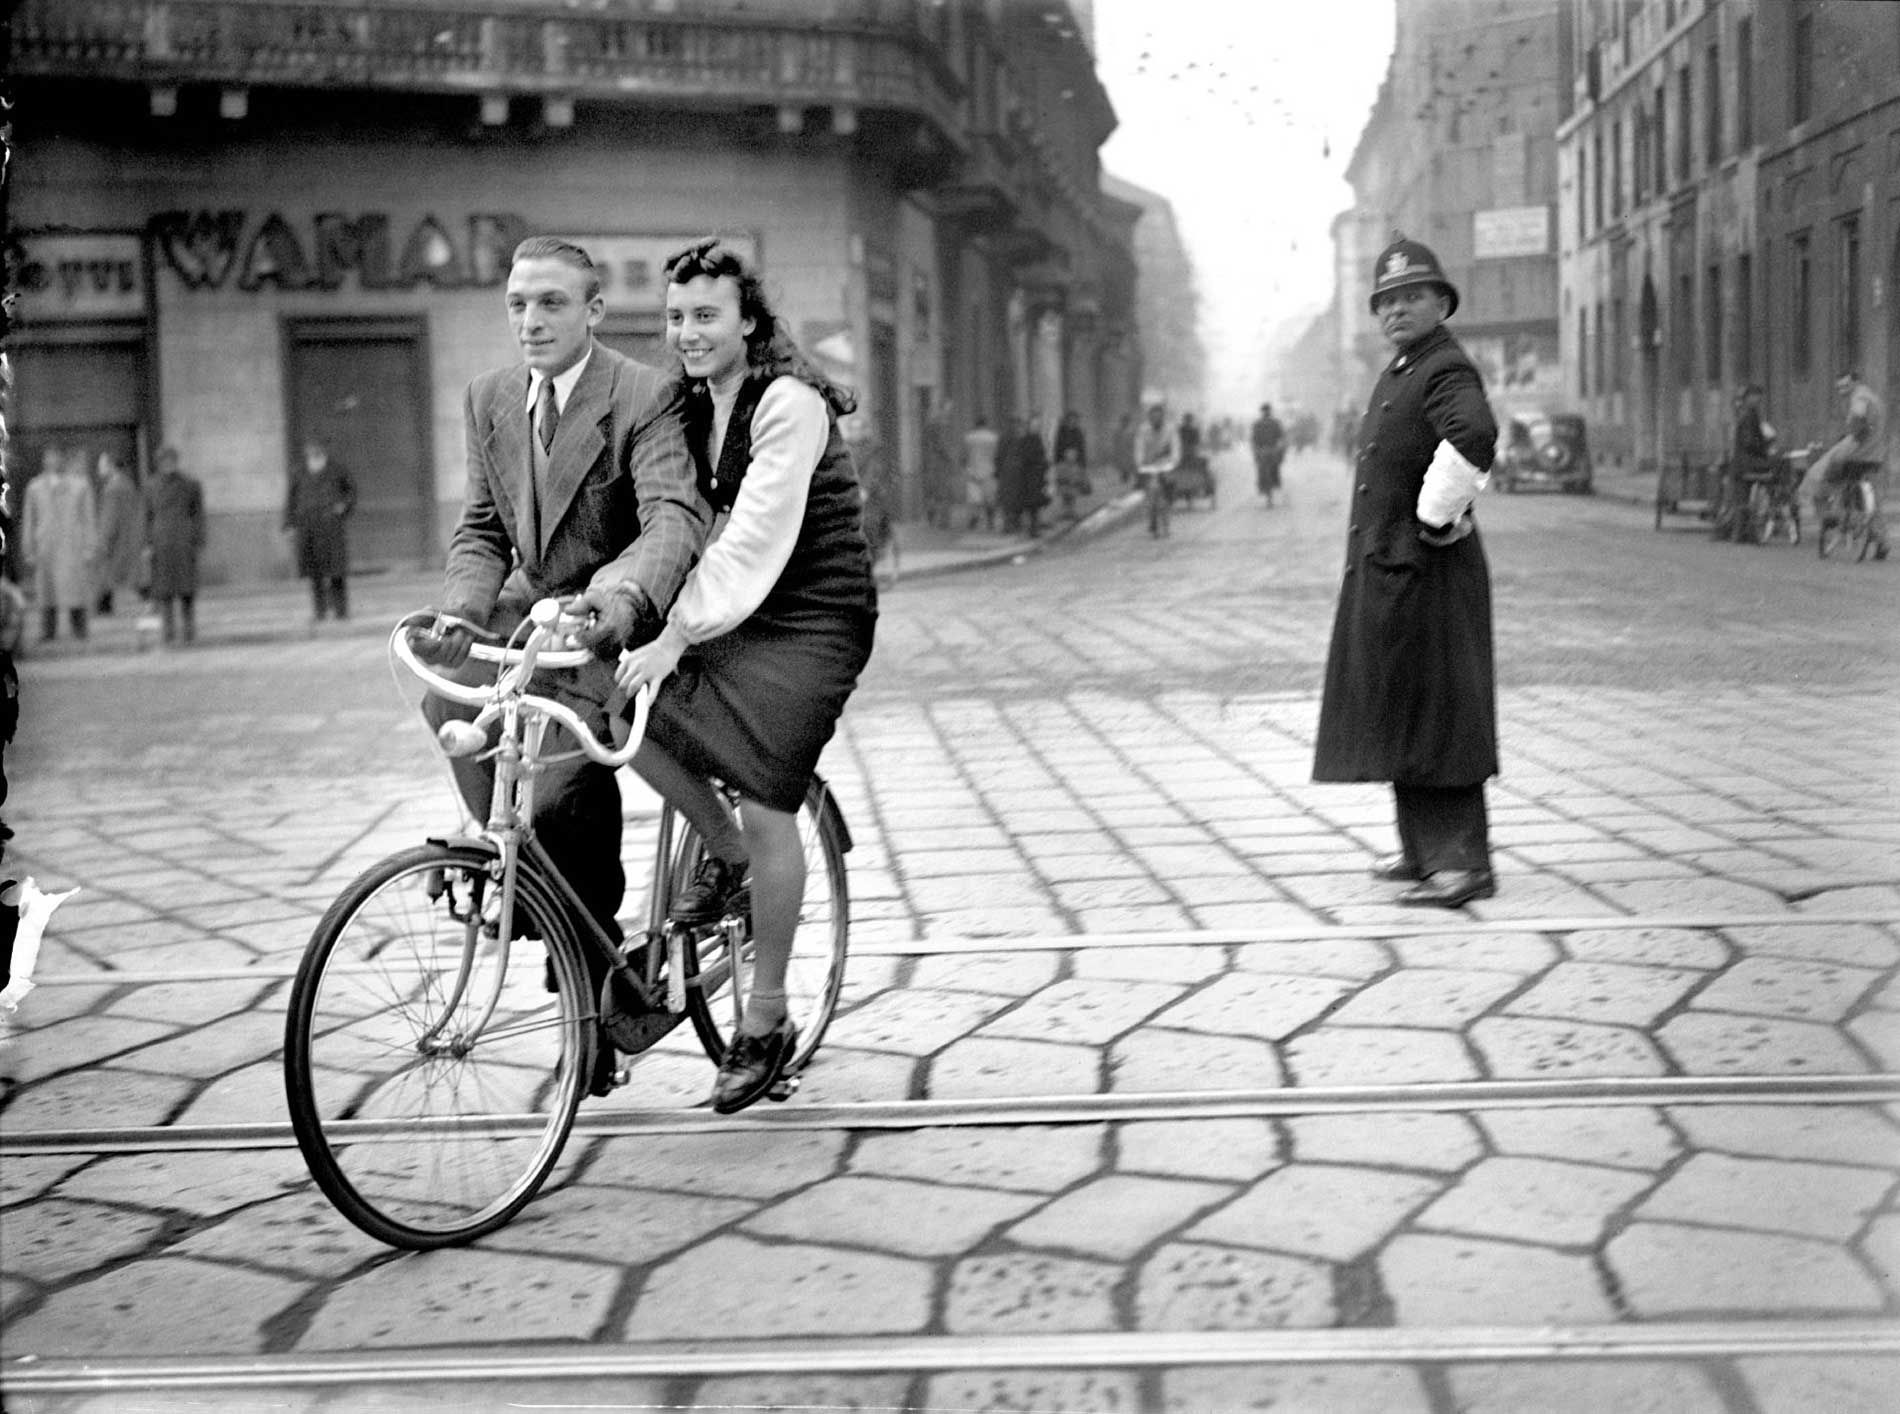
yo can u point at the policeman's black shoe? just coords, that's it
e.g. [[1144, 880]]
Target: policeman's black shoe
[[717, 888], [1395, 869], [753, 1065], [1451, 888]]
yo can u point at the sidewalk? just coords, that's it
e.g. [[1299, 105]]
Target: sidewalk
[[279, 611]]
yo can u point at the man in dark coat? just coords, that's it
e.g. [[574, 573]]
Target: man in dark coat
[[317, 511], [1410, 694], [1269, 448], [175, 532]]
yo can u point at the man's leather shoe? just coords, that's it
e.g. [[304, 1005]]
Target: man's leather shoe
[[1395, 869], [752, 1066], [716, 889], [603, 1078], [1451, 888]]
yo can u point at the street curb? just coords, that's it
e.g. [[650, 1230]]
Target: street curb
[[1101, 520]]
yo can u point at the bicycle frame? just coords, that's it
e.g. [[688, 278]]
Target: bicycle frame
[[524, 718]]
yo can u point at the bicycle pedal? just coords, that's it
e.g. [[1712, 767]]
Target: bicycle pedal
[[783, 1088]]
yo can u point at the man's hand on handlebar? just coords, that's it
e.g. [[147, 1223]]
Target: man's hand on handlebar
[[444, 645], [614, 618]]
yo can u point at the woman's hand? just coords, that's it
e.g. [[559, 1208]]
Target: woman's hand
[[651, 663]]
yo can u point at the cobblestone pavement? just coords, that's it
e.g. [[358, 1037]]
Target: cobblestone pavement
[[1064, 889]]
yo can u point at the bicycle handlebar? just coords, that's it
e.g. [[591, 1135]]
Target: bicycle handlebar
[[550, 625]]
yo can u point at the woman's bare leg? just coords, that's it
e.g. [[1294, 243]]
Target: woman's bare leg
[[778, 893]]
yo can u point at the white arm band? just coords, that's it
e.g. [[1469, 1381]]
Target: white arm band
[[1451, 483]]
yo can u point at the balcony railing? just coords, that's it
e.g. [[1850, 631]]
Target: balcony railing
[[494, 48]]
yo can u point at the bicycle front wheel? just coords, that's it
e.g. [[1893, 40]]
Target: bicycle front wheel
[[432, 1071], [715, 997]]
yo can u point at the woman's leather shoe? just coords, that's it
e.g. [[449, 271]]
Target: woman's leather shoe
[[1395, 869], [752, 1066], [1451, 888]]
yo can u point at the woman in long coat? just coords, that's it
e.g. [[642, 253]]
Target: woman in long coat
[[1410, 693], [175, 530], [59, 535]]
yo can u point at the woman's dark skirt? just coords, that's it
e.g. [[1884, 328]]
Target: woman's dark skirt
[[756, 706]]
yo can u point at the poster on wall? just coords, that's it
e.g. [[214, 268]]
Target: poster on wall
[[1522, 371]]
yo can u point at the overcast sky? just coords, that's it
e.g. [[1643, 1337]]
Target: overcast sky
[[1244, 113]]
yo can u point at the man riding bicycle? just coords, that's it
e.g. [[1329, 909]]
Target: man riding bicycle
[[1156, 452], [1858, 456]]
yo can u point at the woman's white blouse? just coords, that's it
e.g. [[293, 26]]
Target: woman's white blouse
[[789, 432]]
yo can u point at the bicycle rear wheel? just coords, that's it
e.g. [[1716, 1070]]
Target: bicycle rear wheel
[[433, 1073], [816, 972]]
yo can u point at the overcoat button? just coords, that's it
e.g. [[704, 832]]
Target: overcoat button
[[1363, 488]]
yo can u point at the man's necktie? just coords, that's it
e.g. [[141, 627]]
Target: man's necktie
[[547, 414]]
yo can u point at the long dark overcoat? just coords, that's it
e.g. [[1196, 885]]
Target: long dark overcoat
[[1411, 692], [175, 528], [318, 509]]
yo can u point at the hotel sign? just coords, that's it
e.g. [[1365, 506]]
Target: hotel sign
[[1508, 231]]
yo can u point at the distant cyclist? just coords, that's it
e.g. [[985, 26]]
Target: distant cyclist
[[1156, 452], [1859, 455]]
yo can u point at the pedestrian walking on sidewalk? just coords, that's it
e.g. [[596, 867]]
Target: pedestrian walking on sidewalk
[[1072, 463], [317, 511], [1269, 449], [1410, 692], [979, 474], [59, 537], [175, 534], [121, 531], [1022, 476]]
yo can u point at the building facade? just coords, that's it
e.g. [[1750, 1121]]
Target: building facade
[[238, 224], [1730, 194], [1460, 152], [1168, 304]]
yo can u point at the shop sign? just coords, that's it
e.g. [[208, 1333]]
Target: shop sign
[[1509, 231], [209, 249], [631, 266], [73, 276]]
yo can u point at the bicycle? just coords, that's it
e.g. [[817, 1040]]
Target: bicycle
[[1157, 495], [1771, 507], [443, 1023], [1850, 521]]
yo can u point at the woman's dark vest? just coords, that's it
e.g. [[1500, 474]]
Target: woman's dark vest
[[829, 571]]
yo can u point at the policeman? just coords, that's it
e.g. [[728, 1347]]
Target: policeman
[[1410, 694]]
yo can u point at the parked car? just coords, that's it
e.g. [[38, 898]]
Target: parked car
[[1546, 450]]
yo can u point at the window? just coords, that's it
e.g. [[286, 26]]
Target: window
[[1596, 180], [1802, 67], [1745, 318], [1682, 329], [1847, 296], [1639, 159], [1685, 123], [1616, 168], [1603, 338], [1712, 89], [1712, 325], [1745, 82], [1659, 141], [1619, 341], [1583, 353], [1801, 305]]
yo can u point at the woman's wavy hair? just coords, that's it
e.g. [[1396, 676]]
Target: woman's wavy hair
[[769, 348]]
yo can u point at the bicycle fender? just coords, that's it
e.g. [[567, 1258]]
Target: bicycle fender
[[823, 803]]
